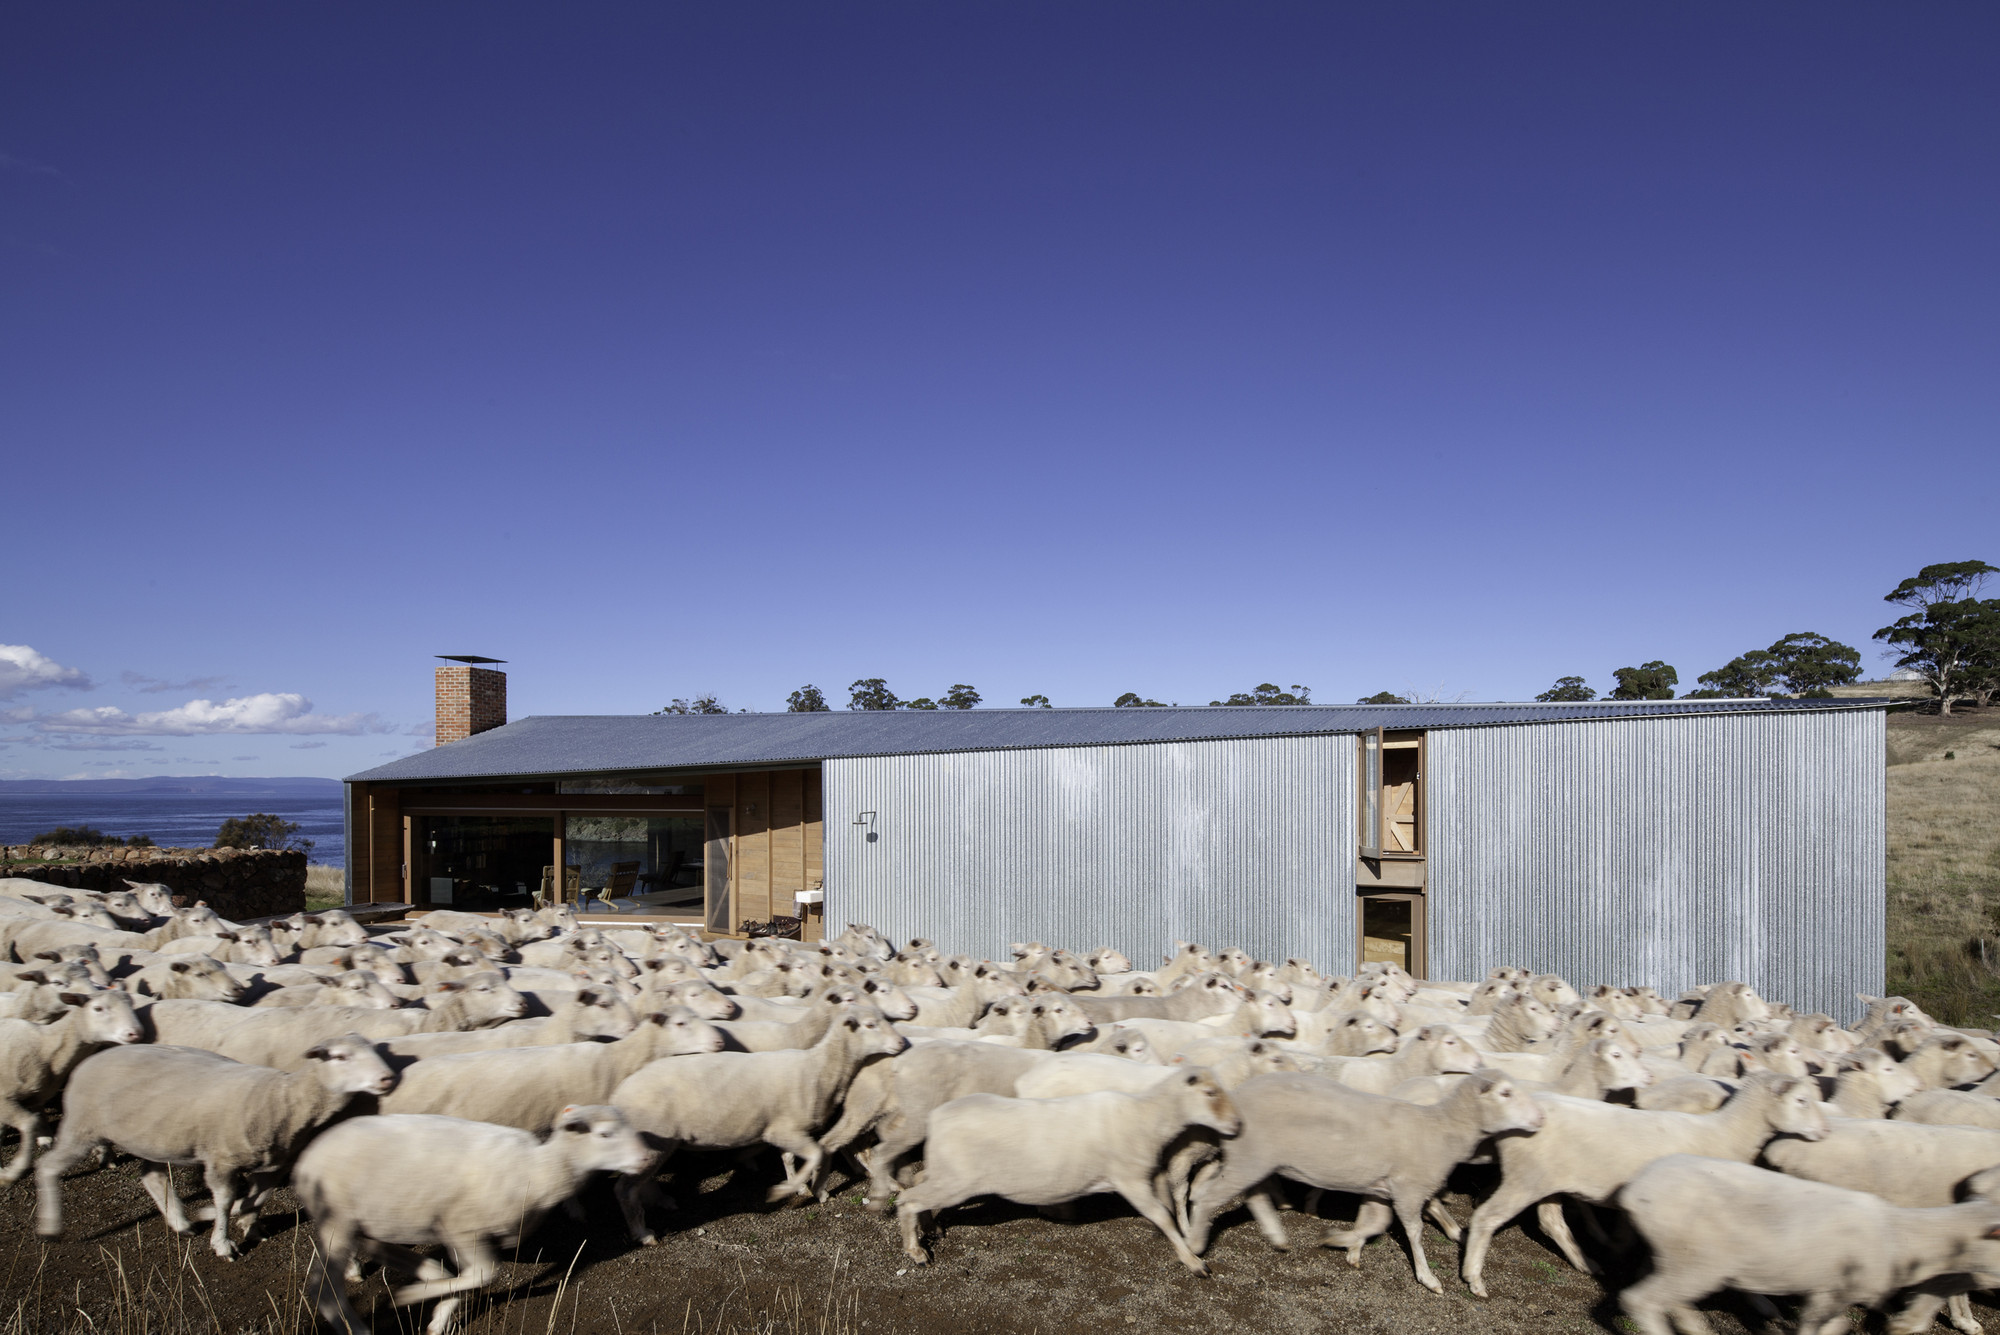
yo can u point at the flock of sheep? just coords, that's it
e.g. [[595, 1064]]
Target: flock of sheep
[[448, 1083]]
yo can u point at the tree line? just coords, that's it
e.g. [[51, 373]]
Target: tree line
[[1950, 637]]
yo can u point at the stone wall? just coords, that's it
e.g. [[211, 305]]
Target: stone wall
[[238, 883]]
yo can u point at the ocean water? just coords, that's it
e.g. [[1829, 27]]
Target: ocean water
[[172, 821]]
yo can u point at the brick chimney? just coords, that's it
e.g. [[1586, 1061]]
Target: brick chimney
[[470, 698]]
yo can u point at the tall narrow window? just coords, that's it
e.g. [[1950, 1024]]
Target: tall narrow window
[[1370, 833]]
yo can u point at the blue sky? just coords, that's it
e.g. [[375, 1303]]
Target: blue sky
[[1070, 349]]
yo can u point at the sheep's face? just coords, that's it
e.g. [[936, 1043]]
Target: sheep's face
[[682, 1033], [105, 1016], [599, 1012], [1359, 1034], [1958, 1061], [1109, 961], [1131, 1045], [1204, 1103], [1797, 1110], [1062, 1020], [487, 998], [1449, 1054], [1619, 1066], [1142, 987], [360, 988], [1270, 1015], [1504, 1107], [662, 969], [599, 1139], [336, 927], [871, 1033], [351, 1065], [1552, 990], [153, 897], [1781, 1055], [703, 999], [890, 999]]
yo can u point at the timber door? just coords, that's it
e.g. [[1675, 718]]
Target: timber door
[[1392, 931]]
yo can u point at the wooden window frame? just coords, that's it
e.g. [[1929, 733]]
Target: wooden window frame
[[1420, 943], [1370, 843]]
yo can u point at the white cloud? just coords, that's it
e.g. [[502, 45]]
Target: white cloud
[[307, 746], [268, 712], [23, 669]]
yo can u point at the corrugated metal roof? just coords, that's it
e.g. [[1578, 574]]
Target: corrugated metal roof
[[594, 743]]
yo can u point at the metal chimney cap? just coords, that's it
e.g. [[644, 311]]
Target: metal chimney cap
[[468, 658]]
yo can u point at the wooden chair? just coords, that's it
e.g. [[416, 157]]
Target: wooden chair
[[572, 883], [624, 875]]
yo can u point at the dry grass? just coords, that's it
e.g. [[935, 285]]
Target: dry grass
[[1944, 864], [326, 887]]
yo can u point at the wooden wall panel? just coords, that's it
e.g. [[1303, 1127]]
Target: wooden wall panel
[[753, 845], [788, 853], [385, 846]]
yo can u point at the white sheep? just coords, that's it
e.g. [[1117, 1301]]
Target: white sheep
[[171, 1105], [1328, 1136], [1589, 1150], [526, 1087], [280, 1037], [376, 1187], [729, 1100], [1049, 1151], [36, 1060], [1714, 1224]]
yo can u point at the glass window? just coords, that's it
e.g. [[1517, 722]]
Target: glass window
[[479, 862], [1370, 832], [655, 860]]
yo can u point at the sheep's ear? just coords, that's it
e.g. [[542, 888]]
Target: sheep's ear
[[653, 965], [227, 936], [451, 986], [62, 910], [591, 996], [35, 976], [73, 998], [317, 1053], [852, 1023], [657, 1017], [49, 955], [180, 966]]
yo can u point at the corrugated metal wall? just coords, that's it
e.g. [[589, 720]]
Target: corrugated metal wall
[[1243, 842], [1664, 851]]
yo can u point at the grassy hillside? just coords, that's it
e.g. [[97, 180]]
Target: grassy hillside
[[1944, 863]]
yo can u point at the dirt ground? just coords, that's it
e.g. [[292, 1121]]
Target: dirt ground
[[734, 1264]]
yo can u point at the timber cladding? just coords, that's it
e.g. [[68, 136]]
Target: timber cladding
[[777, 845]]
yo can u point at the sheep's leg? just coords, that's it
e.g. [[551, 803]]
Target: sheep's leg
[[26, 1125], [1646, 1312], [49, 1172], [1214, 1192], [1410, 1214], [1823, 1314], [158, 1180], [328, 1295], [1958, 1310], [222, 1186], [1139, 1195], [893, 1142], [476, 1267], [1442, 1218], [1371, 1221], [799, 1179], [1264, 1209], [1920, 1313], [1549, 1214], [630, 1191], [1487, 1220]]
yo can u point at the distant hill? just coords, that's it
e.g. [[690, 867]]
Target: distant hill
[[166, 785]]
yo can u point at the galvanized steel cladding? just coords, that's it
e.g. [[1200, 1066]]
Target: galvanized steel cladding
[[1246, 843], [1668, 850]]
